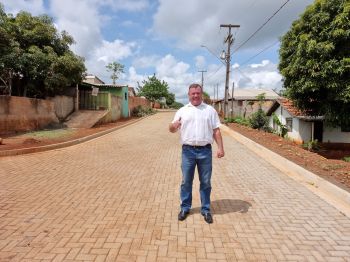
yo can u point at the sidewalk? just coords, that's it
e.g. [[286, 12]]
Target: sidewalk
[[115, 198]]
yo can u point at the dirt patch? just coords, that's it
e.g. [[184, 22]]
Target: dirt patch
[[30, 141], [334, 170], [54, 136]]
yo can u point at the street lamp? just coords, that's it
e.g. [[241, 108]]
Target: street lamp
[[224, 58], [219, 58], [223, 55]]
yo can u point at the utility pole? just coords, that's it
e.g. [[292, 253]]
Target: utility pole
[[202, 71], [227, 57], [233, 88]]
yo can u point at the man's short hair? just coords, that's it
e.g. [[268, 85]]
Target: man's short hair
[[195, 86]]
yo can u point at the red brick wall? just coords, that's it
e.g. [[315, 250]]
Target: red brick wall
[[24, 114], [135, 101]]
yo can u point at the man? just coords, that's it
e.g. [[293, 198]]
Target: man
[[199, 126]]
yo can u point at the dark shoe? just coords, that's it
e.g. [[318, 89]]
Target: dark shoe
[[182, 215], [208, 218]]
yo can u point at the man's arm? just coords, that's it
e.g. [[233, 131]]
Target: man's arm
[[218, 139], [173, 127]]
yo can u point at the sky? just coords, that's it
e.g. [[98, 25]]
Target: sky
[[174, 39]]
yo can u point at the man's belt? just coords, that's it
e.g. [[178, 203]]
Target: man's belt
[[206, 146]]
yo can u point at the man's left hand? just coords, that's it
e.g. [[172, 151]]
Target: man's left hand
[[220, 153]]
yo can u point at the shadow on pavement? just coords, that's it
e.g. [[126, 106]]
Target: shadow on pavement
[[224, 206]]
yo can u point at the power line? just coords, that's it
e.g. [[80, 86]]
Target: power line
[[243, 74], [260, 27], [211, 75], [266, 48]]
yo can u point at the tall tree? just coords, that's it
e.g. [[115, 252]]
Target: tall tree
[[315, 61], [153, 89], [170, 98], [37, 59], [116, 69]]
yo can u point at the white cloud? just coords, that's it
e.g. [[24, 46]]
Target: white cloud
[[263, 75], [134, 78], [129, 5], [113, 51], [263, 63], [200, 62], [196, 22], [169, 67], [145, 61], [35, 7], [82, 22], [85, 24], [235, 65], [106, 53]]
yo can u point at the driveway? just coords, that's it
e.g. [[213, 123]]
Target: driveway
[[116, 198]]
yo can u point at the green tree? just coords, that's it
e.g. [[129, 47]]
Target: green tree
[[37, 58], [170, 99], [116, 69], [315, 61], [153, 89]]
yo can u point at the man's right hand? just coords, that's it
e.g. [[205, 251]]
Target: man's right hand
[[175, 126]]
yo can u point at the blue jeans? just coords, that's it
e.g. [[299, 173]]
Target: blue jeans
[[202, 158]]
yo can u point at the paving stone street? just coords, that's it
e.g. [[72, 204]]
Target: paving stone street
[[116, 198]]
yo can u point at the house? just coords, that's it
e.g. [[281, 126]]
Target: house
[[302, 127], [91, 79], [94, 94], [245, 101]]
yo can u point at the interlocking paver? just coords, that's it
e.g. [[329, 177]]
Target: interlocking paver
[[116, 198]]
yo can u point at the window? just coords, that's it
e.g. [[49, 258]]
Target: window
[[126, 96], [289, 124], [240, 103]]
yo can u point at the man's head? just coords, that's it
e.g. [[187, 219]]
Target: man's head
[[195, 94]]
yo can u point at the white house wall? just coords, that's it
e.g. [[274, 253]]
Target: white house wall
[[305, 131], [301, 130], [335, 135]]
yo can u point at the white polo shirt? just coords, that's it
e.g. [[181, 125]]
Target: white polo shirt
[[197, 124]]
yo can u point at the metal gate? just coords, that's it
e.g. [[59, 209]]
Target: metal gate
[[89, 102]]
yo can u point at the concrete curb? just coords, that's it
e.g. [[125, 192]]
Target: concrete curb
[[30, 150], [334, 195]]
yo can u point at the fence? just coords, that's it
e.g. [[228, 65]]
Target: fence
[[89, 102]]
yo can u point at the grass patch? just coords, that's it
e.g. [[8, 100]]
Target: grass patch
[[49, 134], [346, 158]]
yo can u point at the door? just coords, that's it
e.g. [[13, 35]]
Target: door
[[318, 131]]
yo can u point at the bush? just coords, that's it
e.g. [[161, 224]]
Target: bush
[[312, 145], [259, 120], [141, 111], [238, 120], [283, 130]]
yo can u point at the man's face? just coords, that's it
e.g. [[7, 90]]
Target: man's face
[[195, 96]]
